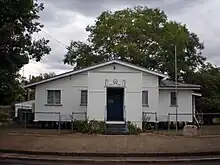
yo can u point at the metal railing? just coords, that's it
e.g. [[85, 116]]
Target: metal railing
[[77, 116], [207, 123], [33, 122], [105, 113], [124, 113], [29, 122], [53, 117], [151, 119]]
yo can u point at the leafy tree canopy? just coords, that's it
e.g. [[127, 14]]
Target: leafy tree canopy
[[142, 36], [33, 79], [18, 23], [209, 78]]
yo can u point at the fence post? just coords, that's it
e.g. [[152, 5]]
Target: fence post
[[72, 121], [168, 122], [59, 123], [25, 120]]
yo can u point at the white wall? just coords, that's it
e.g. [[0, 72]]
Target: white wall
[[97, 94], [94, 81], [184, 99], [147, 82], [150, 84], [132, 91], [70, 98]]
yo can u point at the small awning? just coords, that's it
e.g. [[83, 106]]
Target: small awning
[[196, 94]]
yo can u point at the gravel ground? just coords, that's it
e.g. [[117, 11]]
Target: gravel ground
[[144, 143]]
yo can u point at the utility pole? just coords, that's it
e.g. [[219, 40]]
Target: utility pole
[[176, 88]]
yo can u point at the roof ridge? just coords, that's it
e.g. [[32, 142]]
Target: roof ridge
[[127, 64]]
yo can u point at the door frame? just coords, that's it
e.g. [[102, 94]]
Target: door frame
[[115, 87]]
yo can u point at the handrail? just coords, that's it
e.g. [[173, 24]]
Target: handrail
[[124, 113], [197, 122], [105, 113]]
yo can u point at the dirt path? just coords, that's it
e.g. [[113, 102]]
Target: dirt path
[[146, 143]]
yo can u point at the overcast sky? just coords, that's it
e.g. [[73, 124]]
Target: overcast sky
[[65, 20]]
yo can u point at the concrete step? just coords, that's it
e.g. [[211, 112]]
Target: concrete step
[[116, 129]]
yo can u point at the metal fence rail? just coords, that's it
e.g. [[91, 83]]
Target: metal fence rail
[[57, 114], [207, 123], [77, 116], [28, 122], [146, 118]]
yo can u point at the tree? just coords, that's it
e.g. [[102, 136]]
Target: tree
[[13, 91], [44, 76], [209, 78], [142, 36], [30, 93], [18, 23]]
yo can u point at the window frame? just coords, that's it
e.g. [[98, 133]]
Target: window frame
[[82, 102], [171, 98], [54, 97], [144, 104]]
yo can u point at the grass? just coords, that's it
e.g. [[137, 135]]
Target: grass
[[202, 131], [209, 130], [19, 128], [171, 132]]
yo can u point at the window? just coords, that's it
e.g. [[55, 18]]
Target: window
[[54, 97], [173, 98], [83, 97], [144, 98]]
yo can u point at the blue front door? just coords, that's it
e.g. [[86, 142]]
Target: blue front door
[[115, 104]]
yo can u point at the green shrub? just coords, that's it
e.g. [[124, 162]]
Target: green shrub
[[90, 127], [96, 127], [3, 117], [147, 126], [80, 126], [133, 129], [216, 120]]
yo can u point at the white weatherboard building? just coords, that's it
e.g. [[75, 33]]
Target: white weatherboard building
[[113, 91]]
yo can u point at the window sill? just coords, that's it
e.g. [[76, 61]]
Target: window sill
[[145, 105], [83, 105], [53, 104], [174, 106]]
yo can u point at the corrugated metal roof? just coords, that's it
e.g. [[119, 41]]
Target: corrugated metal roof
[[168, 83]]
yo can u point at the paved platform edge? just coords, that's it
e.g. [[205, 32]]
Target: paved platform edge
[[96, 161], [160, 154]]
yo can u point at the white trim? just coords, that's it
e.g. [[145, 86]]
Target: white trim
[[94, 67], [143, 88], [196, 94], [46, 96], [109, 71], [186, 88], [54, 89], [115, 122], [97, 91], [80, 86]]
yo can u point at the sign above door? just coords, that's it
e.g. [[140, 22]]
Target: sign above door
[[115, 83]]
